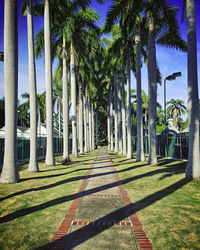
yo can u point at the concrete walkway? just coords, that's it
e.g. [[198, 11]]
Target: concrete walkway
[[103, 217]]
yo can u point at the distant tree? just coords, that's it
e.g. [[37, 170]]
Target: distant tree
[[175, 109]]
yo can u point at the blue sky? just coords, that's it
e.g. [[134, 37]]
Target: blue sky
[[169, 60]]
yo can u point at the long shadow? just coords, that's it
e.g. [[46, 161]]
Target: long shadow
[[169, 172], [85, 233], [26, 211]]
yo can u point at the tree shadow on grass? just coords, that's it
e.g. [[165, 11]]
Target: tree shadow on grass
[[85, 233], [26, 211]]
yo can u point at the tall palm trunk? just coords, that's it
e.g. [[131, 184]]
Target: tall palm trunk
[[65, 107], [152, 91], [108, 117], [93, 126], [10, 172], [59, 117], [80, 118], [88, 130], [123, 120], [140, 144], [193, 165], [97, 142], [90, 124], [77, 126], [33, 165], [111, 117], [129, 144], [49, 93], [85, 124], [73, 100], [120, 119], [38, 119], [116, 113]]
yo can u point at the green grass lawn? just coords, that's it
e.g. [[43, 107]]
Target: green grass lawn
[[168, 206], [33, 209]]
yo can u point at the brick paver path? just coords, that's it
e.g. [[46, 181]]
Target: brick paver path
[[103, 218]]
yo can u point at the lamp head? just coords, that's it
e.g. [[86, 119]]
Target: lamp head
[[177, 74]]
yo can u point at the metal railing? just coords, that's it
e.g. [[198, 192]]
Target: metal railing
[[173, 146], [23, 148]]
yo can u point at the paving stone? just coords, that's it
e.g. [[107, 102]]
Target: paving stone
[[94, 237], [93, 208], [103, 188]]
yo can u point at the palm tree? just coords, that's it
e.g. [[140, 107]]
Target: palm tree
[[73, 101], [123, 119], [175, 109], [120, 151], [193, 165], [10, 171], [111, 117], [140, 145], [145, 110], [80, 115], [33, 165], [49, 89], [57, 95]]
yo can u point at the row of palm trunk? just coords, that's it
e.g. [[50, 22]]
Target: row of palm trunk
[[10, 170], [193, 165]]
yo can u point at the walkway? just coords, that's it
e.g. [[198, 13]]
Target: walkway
[[103, 218]]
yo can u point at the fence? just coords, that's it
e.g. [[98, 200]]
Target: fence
[[23, 148], [173, 146]]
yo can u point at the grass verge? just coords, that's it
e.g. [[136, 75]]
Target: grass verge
[[32, 210], [167, 205]]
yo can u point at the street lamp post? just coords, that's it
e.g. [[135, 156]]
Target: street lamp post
[[1, 56], [169, 78]]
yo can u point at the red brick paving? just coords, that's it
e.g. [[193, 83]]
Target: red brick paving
[[142, 239]]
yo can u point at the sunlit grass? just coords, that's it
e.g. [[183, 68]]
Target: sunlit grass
[[168, 206], [34, 208]]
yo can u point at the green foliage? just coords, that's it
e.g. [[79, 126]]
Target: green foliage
[[102, 126]]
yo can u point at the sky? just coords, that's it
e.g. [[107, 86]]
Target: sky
[[169, 60]]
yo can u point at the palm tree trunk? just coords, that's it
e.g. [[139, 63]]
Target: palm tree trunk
[[33, 165], [85, 124], [152, 91], [77, 126], [108, 117], [65, 108], [120, 119], [111, 117], [140, 144], [80, 118], [123, 120], [87, 112], [38, 119], [116, 113], [10, 172], [129, 144], [59, 114], [193, 165], [73, 100], [97, 142], [92, 126], [48, 77]]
